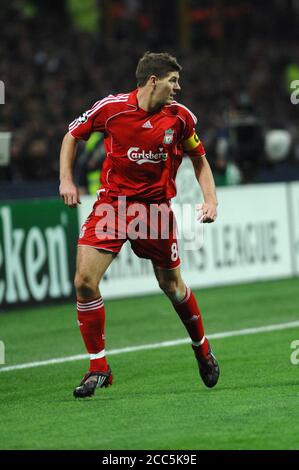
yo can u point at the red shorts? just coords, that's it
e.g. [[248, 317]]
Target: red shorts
[[150, 228]]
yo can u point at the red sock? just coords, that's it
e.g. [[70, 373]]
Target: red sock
[[189, 313], [91, 320]]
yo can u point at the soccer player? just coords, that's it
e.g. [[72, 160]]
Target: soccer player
[[146, 133]]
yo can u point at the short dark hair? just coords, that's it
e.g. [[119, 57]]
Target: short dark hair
[[159, 64]]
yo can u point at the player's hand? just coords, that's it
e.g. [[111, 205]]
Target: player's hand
[[69, 193], [207, 212]]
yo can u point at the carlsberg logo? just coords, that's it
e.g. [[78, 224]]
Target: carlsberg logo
[[33, 263], [146, 157]]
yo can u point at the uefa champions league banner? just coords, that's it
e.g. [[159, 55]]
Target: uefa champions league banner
[[37, 252], [249, 241], [256, 237]]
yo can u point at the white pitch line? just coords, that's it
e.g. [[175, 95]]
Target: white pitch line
[[163, 344]]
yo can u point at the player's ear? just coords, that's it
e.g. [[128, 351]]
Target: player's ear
[[153, 80]]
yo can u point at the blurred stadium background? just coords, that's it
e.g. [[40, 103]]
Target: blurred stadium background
[[240, 77], [239, 59]]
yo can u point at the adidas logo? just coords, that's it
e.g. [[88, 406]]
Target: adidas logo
[[147, 125], [101, 380]]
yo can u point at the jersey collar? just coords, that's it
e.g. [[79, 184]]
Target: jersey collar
[[132, 101]]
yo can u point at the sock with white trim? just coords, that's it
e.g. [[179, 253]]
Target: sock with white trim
[[189, 313], [91, 321]]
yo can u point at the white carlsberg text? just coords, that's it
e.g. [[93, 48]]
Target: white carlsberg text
[[146, 157]]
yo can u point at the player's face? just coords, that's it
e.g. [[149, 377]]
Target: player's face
[[167, 87]]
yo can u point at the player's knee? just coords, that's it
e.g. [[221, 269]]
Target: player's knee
[[171, 289], [85, 285]]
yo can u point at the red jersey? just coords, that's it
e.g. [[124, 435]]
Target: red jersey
[[144, 149]]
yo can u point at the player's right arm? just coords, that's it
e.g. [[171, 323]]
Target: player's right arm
[[79, 129], [68, 189], [93, 119]]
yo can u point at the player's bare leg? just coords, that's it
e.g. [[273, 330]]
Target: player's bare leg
[[91, 266], [184, 302]]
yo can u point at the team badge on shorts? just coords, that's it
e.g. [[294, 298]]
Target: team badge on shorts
[[168, 136]]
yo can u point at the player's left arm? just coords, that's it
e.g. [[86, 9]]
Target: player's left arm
[[205, 178], [194, 148]]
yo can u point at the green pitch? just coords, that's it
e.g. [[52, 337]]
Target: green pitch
[[158, 400]]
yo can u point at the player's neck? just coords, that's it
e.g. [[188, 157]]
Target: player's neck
[[146, 100]]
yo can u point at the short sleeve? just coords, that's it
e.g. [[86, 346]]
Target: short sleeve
[[192, 145], [90, 121], [190, 123]]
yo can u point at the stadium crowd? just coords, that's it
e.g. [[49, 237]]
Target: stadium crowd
[[236, 76]]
